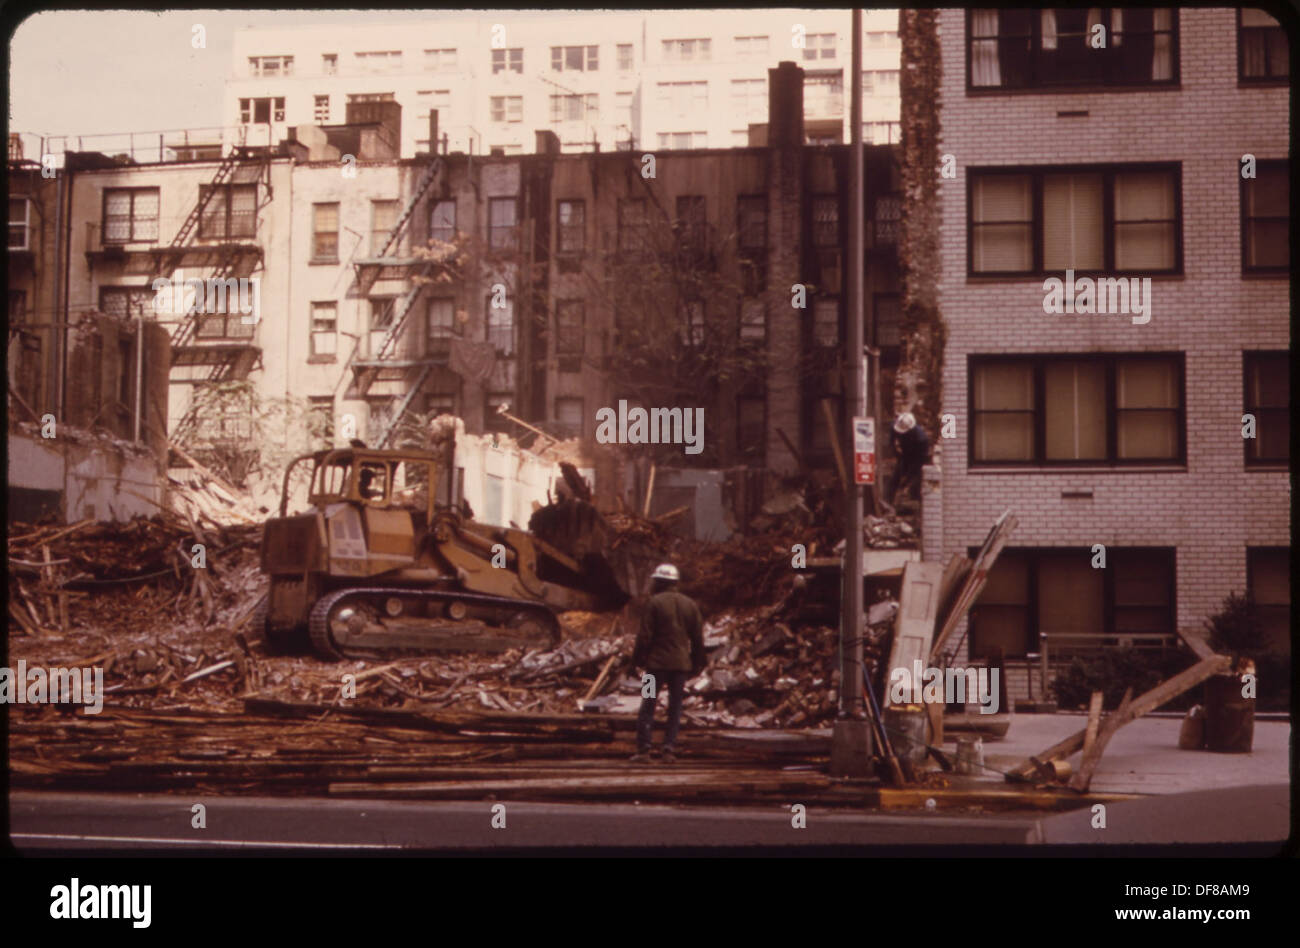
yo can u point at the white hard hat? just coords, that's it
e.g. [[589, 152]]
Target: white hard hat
[[666, 571], [905, 423]]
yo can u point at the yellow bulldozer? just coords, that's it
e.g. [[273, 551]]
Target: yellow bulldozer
[[377, 567]]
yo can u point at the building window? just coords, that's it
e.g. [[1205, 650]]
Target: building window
[[321, 408], [632, 225], [231, 211], [321, 109], [570, 329], [625, 63], [1263, 54], [383, 216], [571, 226], [382, 311], [1268, 585], [1268, 387], [17, 307], [575, 108], [493, 420], [880, 82], [439, 60], [329, 64], [324, 331], [819, 46], [751, 221], [826, 222], [130, 215], [682, 97], [1119, 409], [826, 323], [503, 233], [508, 59], [575, 58], [751, 426], [127, 302], [270, 65], [261, 111], [441, 326], [882, 38], [501, 326], [888, 309], [442, 221], [823, 94], [683, 140], [687, 50], [748, 99], [751, 48], [753, 320], [1094, 219], [20, 220], [623, 111], [1057, 592], [1266, 219], [325, 233], [1030, 49], [507, 108], [569, 414], [372, 97]]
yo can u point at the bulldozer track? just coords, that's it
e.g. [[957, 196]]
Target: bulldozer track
[[324, 645]]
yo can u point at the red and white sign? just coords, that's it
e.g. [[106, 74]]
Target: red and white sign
[[864, 450]]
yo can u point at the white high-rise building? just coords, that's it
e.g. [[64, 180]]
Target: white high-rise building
[[659, 79]]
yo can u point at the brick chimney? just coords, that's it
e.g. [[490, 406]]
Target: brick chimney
[[785, 106]]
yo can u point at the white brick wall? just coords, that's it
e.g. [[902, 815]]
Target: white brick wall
[[1214, 509]]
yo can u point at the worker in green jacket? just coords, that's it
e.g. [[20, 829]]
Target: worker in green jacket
[[670, 649]]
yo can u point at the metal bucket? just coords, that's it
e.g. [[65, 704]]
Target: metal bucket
[[907, 726], [970, 755]]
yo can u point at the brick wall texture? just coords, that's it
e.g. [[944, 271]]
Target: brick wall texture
[[1212, 510]]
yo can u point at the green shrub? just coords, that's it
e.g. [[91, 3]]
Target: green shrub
[[1114, 669]]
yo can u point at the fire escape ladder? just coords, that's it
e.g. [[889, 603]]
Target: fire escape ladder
[[403, 405]]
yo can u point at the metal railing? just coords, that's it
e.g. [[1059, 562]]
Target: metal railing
[[179, 144], [1071, 645]]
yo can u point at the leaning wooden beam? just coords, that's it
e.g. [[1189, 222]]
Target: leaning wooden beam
[[1141, 705], [1094, 719], [1092, 750]]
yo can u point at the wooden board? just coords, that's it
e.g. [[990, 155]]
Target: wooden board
[[1092, 750], [1094, 719], [918, 606]]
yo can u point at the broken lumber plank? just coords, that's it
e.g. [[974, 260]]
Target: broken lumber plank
[[1196, 641], [600, 679], [1092, 754], [1148, 701], [1094, 719]]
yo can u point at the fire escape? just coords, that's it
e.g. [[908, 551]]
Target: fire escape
[[389, 360]]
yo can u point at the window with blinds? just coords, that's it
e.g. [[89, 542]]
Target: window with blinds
[[1268, 388], [1110, 219], [1095, 409], [1266, 219]]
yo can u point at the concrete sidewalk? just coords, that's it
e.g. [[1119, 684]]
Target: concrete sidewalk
[[1143, 756]]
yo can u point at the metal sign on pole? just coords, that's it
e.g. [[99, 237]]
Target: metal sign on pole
[[864, 450]]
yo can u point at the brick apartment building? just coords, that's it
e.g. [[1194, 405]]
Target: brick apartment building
[[1125, 162], [461, 283]]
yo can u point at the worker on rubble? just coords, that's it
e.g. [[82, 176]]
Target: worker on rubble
[[912, 449], [670, 650]]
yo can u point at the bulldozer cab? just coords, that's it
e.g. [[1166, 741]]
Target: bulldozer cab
[[382, 479]]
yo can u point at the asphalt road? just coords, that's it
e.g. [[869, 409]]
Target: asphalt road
[[91, 821]]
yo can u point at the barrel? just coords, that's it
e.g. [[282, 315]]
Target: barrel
[[1229, 718]]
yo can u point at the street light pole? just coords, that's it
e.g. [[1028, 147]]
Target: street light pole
[[850, 741]]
